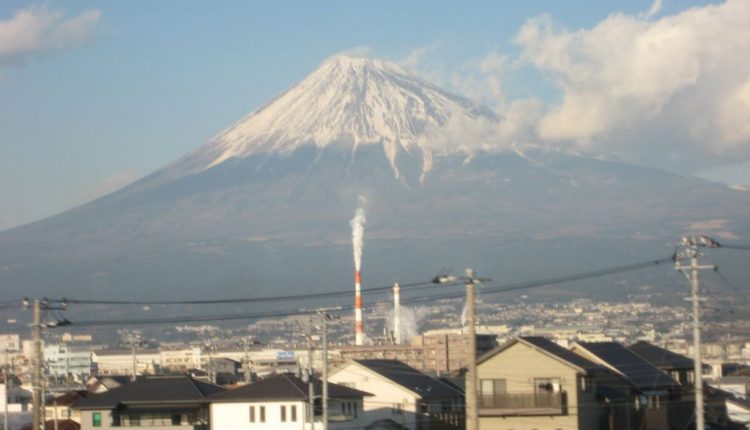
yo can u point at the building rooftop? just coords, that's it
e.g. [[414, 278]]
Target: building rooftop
[[151, 390], [284, 386], [659, 357], [638, 371], [411, 378], [562, 353]]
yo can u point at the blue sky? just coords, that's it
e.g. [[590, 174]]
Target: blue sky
[[96, 94]]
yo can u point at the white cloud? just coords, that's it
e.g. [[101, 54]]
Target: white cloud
[[677, 88], [654, 9], [37, 29]]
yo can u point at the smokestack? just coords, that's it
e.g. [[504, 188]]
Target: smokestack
[[397, 313], [358, 230], [359, 336]]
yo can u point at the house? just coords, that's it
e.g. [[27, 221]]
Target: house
[[660, 399], [100, 384], [533, 383], [59, 407], [281, 402], [166, 402], [402, 395], [679, 367]]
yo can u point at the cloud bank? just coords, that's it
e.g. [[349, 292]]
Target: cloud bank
[[672, 91], [37, 30]]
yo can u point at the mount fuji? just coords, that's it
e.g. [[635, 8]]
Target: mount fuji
[[265, 206]]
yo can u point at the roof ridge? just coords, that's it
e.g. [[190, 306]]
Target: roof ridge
[[287, 377]]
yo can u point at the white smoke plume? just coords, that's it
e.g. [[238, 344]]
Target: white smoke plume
[[358, 235], [409, 319]]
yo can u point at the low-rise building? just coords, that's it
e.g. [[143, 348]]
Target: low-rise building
[[281, 402], [533, 383], [159, 402], [402, 395]]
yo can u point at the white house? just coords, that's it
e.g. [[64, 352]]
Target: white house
[[402, 395], [281, 402]]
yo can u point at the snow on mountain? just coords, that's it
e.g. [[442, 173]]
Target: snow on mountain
[[350, 102]]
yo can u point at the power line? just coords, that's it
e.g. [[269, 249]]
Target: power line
[[265, 299], [414, 300]]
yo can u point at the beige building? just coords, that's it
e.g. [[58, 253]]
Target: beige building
[[533, 383]]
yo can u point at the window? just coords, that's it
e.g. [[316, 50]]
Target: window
[[252, 414], [294, 413], [547, 385], [585, 383], [96, 419], [262, 413], [355, 406], [283, 413], [396, 409], [489, 387], [176, 419]]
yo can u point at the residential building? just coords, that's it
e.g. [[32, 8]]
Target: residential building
[[59, 408], [660, 396], [533, 383], [159, 402], [100, 384], [402, 395], [281, 402], [679, 367]]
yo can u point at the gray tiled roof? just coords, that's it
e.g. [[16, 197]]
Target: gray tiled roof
[[562, 353], [284, 386], [151, 390], [661, 357], [412, 379], [637, 370]]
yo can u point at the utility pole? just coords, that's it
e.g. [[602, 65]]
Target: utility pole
[[470, 281], [325, 317], [134, 338], [37, 360], [310, 382], [324, 382], [7, 387], [36, 376], [472, 416], [67, 366], [246, 363], [691, 245]]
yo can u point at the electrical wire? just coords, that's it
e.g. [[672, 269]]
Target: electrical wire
[[414, 300], [265, 299]]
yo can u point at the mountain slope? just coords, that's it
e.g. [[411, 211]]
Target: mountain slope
[[266, 204]]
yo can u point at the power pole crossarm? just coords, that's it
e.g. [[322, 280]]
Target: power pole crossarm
[[691, 245]]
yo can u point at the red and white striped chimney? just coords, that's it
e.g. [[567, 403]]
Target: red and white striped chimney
[[359, 335]]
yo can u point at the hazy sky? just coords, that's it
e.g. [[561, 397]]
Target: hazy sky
[[94, 95]]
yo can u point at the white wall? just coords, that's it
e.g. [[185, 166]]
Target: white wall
[[386, 394], [236, 416]]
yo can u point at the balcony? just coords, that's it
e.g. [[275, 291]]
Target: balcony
[[523, 404]]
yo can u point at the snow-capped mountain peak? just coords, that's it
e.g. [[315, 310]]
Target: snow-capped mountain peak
[[349, 101]]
